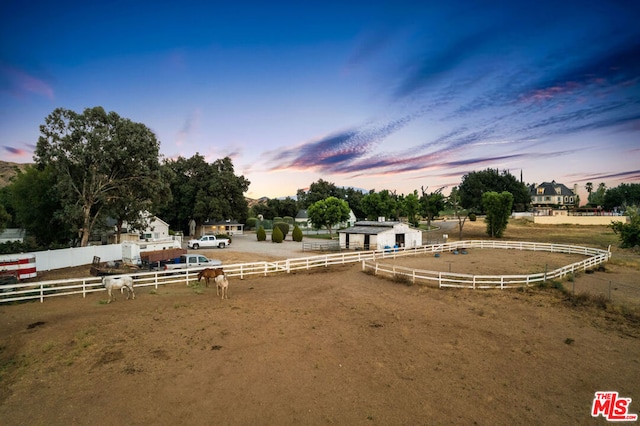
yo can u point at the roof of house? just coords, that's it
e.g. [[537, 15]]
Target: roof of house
[[12, 234], [222, 222], [302, 214], [370, 227], [550, 188]]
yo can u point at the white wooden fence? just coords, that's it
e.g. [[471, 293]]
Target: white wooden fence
[[75, 286], [450, 279]]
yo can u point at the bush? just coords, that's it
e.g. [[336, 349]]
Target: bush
[[284, 228], [297, 234], [276, 235], [629, 233], [251, 223], [261, 234], [289, 219], [472, 217]]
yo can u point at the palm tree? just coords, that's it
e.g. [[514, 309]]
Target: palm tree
[[589, 188]]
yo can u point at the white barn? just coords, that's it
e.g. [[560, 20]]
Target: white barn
[[372, 235]]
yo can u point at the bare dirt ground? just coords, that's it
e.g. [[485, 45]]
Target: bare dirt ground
[[335, 346]]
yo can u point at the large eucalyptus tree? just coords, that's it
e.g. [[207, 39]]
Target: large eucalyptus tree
[[103, 164]]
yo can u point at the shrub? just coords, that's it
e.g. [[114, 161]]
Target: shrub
[[284, 228], [472, 217], [261, 234], [288, 219], [629, 233], [276, 235], [277, 219], [251, 222], [297, 234]]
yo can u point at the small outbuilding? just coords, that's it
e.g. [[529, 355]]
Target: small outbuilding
[[372, 235]]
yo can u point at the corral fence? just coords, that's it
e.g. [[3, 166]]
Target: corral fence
[[449, 279], [370, 261]]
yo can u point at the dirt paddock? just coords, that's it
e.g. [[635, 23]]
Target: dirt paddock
[[334, 346]]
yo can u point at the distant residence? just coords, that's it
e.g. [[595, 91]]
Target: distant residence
[[553, 195], [302, 219], [156, 229], [216, 227], [12, 234]]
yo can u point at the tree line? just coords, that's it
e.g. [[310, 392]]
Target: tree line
[[96, 165]]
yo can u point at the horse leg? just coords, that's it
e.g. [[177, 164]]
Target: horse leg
[[133, 294], [109, 291]]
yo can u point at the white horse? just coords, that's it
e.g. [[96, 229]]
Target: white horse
[[222, 286], [118, 283]]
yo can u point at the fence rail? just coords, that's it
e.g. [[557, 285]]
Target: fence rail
[[456, 280], [369, 259]]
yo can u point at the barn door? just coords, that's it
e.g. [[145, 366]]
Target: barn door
[[366, 242], [400, 240]]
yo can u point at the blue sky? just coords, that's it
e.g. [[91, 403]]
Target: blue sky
[[375, 95]]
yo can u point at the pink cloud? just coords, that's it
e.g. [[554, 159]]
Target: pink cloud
[[22, 84]]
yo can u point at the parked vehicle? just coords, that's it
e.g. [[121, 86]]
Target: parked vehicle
[[208, 241], [134, 251], [191, 261]]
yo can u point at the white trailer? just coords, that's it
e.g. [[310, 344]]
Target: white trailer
[[132, 250]]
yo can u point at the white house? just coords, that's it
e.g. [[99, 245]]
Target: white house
[[12, 234], [156, 229], [371, 235], [216, 227], [302, 219]]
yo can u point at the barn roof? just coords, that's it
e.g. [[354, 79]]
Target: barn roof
[[370, 227]]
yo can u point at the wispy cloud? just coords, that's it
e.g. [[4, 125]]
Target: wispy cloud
[[21, 84], [189, 126]]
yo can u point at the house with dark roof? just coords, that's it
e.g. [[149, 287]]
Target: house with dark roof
[[553, 195], [372, 235]]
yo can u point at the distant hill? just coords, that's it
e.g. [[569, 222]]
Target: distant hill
[[9, 170], [252, 202]]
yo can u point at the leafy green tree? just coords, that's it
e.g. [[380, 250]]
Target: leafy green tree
[[474, 184], [498, 209], [431, 204], [263, 209], [276, 235], [261, 234], [458, 211], [203, 191], [379, 204], [38, 207], [317, 191], [354, 198], [97, 158], [622, 196], [629, 233], [297, 234], [282, 207], [328, 213], [597, 198], [411, 208], [5, 218]]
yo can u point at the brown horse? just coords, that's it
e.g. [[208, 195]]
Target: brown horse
[[209, 273]]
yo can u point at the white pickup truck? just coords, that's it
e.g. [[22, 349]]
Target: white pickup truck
[[208, 241], [191, 261]]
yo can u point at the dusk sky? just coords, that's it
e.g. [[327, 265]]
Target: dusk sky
[[375, 95]]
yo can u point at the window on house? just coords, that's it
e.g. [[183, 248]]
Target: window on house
[[540, 191], [558, 190]]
